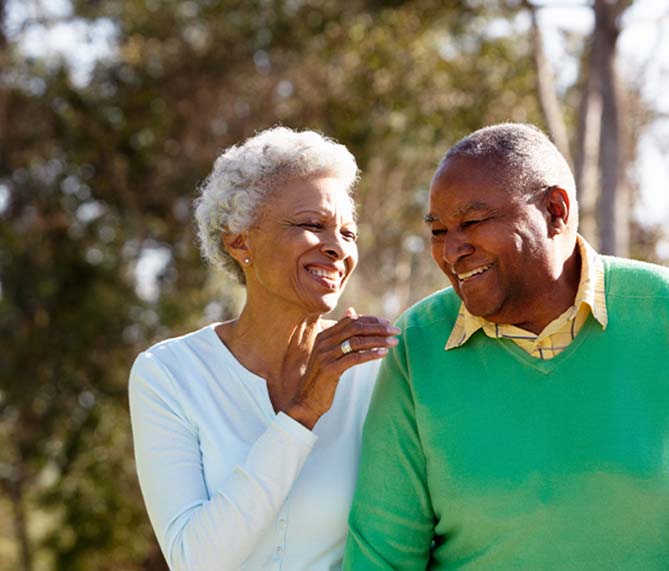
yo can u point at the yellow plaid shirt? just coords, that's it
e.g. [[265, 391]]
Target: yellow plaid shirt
[[559, 333]]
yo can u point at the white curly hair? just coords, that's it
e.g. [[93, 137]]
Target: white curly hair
[[243, 177]]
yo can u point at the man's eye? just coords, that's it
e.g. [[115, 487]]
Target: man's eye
[[350, 235], [312, 225]]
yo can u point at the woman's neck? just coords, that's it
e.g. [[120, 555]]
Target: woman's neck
[[273, 344]]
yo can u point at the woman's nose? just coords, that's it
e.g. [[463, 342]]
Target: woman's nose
[[335, 246]]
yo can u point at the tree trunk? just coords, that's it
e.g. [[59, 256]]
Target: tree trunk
[[16, 496], [548, 99], [586, 163], [154, 560], [3, 65], [614, 202]]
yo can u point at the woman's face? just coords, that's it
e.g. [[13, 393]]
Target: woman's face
[[303, 246]]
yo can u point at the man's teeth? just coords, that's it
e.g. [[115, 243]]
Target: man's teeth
[[474, 272], [324, 273]]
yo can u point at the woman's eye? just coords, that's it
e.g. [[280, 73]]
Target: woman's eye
[[438, 232], [469, 223]]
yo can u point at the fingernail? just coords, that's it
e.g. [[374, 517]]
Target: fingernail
[[392, 341], [394, 330], [382, 351]]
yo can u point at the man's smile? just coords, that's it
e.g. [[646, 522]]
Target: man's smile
[[462, 277]]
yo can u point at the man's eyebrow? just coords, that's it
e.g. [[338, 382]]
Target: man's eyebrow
[[429, 218], [473, 206]]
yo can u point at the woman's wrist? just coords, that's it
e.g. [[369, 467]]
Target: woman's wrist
[[303, 414]]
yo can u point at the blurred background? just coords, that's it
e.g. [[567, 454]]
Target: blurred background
[[111, 114]]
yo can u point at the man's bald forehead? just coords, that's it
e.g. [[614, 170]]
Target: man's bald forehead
[[519, 153]]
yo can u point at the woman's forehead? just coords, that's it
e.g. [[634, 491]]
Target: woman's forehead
[[324, 195]]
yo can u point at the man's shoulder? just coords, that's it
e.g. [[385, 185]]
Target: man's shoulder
[[635, 278], [437, 308]]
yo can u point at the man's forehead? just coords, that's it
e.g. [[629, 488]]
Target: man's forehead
[[474, 179], [471, 167]]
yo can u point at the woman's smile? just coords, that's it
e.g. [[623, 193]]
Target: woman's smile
[[329, 277]]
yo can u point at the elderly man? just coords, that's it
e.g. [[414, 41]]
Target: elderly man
[[522, 423]]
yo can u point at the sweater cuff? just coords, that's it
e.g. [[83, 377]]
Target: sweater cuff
[[295, 430]]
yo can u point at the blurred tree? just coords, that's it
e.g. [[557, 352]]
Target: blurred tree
[[99, 177], [66, 303], [66, 308], [614, 202], [546, 91], [603, 148]]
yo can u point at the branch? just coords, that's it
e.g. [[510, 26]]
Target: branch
[[659, 39], [533, 6], [620, 6], [550, 106]]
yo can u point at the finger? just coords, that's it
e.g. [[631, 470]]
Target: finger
[[356, 358], [361, 325], [330, 350], [334, 348], [368, 343], [350, 312], [354, 317], [373, 318]]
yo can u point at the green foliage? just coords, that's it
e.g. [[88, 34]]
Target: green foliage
[[99, 174], [99, 524]]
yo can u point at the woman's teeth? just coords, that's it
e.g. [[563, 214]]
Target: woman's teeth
[[328, 275]]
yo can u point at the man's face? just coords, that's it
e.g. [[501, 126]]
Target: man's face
[[491, 242]]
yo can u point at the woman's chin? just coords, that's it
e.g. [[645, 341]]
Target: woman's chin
[[324, 304]]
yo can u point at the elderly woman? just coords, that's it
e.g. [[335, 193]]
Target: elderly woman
[[247, 432]]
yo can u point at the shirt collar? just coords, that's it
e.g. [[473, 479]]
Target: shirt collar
[[590, 292]]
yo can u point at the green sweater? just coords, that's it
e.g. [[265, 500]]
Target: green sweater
[[485, 458]]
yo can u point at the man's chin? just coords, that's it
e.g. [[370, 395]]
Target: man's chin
[[482, 309]]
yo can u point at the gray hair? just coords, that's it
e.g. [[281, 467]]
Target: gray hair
[[245, 175], [527, 160]]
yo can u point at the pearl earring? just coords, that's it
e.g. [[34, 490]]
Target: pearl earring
[[247, 260]]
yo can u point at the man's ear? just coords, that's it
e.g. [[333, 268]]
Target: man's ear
[[237, 246], [558, 208]]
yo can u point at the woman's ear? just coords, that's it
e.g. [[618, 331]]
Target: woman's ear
[[558, 204], [237, 246]]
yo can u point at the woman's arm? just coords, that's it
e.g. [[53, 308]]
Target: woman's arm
[[199, 533], [195, 532]]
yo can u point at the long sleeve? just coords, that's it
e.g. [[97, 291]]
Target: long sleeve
[[200, 530], [391, 521]]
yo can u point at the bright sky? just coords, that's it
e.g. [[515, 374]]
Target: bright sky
[[644, 53]]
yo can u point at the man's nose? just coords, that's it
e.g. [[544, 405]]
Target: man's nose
[[456, 246]]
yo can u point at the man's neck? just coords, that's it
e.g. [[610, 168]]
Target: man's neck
[[558, 297]]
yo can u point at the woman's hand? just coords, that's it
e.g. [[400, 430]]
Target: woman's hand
[[354, 339]]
